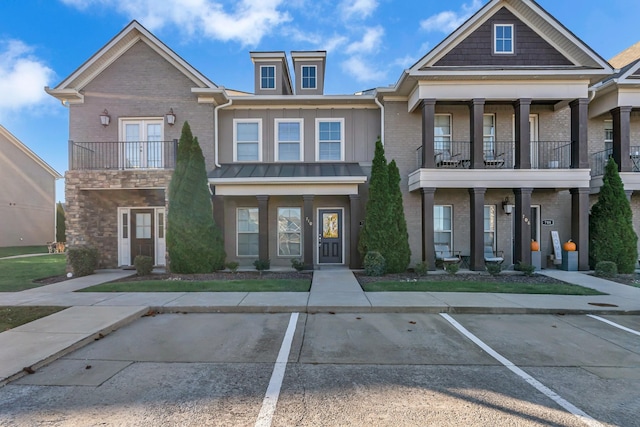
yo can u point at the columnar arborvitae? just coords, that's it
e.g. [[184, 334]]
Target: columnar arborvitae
[[397, 253], [194, 242], [377, 222], [611, 235], [61, 229]]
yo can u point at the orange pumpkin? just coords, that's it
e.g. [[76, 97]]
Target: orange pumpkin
[[535, 246], [569, 246]]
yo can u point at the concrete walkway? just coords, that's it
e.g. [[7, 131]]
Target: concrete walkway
[[92, 314]]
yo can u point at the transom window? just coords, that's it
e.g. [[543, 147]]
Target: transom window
[[247, 140], [289, 232], [442, 132], [247, 231], [267, 77], [309, 76], [289, 139], [490, 226], [442, 225], [330, 139], [503, 38]]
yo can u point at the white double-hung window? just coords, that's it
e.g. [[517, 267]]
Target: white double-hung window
[[267, 77], [503, 40], [247, 140], [247, 230], [288, 137], [443, 225], [330, 139]]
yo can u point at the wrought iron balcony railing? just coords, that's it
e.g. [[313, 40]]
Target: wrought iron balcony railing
[[599, 160], [122, 155]]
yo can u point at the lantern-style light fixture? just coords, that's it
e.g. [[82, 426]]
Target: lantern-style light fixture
[[171, 117], [105, 118], [507, 206]]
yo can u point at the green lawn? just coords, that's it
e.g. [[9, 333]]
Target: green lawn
[[22, 250], [472, 286], [250, 285], [11, 317], [17, 274]]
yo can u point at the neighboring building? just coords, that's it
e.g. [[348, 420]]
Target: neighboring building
[[28, 197], [489, 130]]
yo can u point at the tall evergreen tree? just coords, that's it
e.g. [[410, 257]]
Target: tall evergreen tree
[[194, 242], [61, 228], [397, 252], [611, 234], [377, 221]]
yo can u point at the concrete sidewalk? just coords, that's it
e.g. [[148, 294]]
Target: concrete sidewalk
[[92, 315]]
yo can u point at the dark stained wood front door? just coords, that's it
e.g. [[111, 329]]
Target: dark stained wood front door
[[142, 234], [330, 236]]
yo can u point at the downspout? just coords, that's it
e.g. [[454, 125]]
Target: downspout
[[381, 119], [215, 129]]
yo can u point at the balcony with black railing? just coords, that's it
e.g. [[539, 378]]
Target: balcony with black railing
[[599, 160], [122, 155]]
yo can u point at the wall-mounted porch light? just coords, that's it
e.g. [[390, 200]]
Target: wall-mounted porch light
[[507, 206], [105, 118], [171, 117]]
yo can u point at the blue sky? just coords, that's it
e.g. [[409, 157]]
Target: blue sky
[[368, 43]]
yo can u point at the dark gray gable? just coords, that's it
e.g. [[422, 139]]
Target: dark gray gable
[[477, 49]]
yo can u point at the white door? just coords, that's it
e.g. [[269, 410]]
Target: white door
[[143, 146], [128, 225]]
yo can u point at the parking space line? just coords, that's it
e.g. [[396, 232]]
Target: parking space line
[[614, 324], [273, 390], [579, 413]]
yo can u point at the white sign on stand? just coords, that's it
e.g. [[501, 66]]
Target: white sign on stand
[[557, 250]]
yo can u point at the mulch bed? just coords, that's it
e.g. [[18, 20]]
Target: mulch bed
[[220, 275], [51, 280], [462, 277]]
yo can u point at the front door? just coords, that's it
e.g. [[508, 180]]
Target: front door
[[142, 233], [330, 236]]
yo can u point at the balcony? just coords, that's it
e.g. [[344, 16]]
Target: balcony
[[121, 155], [598, 162]]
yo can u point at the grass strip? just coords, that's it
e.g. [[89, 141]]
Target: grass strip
[[11, 317], [18, 274], [487, 287], [249, 285], [22, 250]]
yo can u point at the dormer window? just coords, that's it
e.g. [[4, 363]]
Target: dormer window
[[309, 77], [267, 77], [503, 40]]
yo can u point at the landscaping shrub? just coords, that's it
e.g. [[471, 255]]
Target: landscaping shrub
[[298, 264], [83, 260], [527, 269], [232, 266], [262, 264], [421, 268], [374, 264], [606, 269], [397, 253], [493, 268], [451, 267], [143, 264]]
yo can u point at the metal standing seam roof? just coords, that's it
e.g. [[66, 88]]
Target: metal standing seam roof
[[286, 170]]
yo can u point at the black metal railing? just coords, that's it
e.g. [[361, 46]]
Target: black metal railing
[[599, 160], [499, 154], [121, 155]]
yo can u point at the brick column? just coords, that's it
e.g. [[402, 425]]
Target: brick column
[[580, 225], [477, 228], [622, 137], [263, 227], [355, 215], [579, 141], [428, 122], [522, 250], [523, 136], [428, 250], [307, 230], [476, 123]]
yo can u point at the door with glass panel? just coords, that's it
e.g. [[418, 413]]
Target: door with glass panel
[[142, 234], [143, 147], [330, 236]]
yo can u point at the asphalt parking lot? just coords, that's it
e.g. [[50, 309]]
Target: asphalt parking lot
[[342, 369]]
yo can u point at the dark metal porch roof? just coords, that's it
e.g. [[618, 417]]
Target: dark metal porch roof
[[286, 171]]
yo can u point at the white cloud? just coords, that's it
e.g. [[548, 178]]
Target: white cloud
[[358, 9], [370, 42], [405, 62], [362, 71], [22, 77], [450, 20]]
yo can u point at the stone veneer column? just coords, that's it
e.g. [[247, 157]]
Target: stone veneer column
[[476, 130], [522, 250], [477, 228], [523, 135], [428, 250], [263, 227], [580, 225], [355, 215], [428, 122], [622, 137], [579, 141], [307, 230]]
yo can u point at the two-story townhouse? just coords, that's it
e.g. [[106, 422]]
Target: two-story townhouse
[[287, 164], [490, 132]]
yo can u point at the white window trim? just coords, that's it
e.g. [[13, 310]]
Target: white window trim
[[447, 231], [142, 122], [315, 79], [495, 226], [277, 140], [513, 40], [235, 139], [275, 80], [342, 141], [237, 232], [301, 230], [447, 144]]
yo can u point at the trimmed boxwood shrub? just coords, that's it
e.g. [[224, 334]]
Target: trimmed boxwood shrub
[[493, 268], [374, 264], [83, 260], [606, 269], [143, 264], [262, 264], [451, 267], [527, 269]]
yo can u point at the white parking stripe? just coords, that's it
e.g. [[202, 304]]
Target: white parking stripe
[[583, 416], [273, 391], [624, 328]]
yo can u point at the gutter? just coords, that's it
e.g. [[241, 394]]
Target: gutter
[[215, 129]]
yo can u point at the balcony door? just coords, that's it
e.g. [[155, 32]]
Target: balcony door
[[142, 147], [533, 140]]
